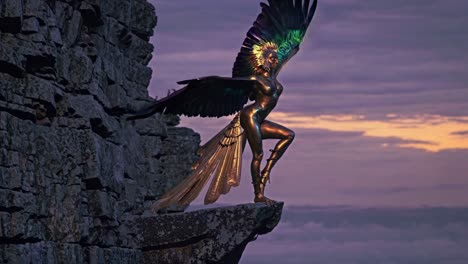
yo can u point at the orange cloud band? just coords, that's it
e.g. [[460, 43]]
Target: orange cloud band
[[432, 133]]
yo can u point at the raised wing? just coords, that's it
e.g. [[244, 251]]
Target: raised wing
[[282, 23], [211, 96]]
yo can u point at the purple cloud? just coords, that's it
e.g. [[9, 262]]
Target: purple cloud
[[366, 235]]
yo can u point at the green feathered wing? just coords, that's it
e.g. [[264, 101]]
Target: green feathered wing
[[282, 22]]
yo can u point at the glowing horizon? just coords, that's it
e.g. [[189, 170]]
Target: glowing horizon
[[431, 133]]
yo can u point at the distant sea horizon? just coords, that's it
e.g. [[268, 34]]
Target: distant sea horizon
[[362, 235]]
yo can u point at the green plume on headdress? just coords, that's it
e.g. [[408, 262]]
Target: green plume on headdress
[[286, 45]]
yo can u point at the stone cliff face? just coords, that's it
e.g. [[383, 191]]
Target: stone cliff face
[[73, 173], [76, 178]]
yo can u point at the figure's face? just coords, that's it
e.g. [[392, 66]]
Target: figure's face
[[273, 60]]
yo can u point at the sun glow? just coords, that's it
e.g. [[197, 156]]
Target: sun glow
[[432, 133]]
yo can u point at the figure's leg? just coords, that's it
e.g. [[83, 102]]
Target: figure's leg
[[271, 130], [253, 134]]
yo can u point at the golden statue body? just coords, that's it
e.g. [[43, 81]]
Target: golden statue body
[[272, 40]]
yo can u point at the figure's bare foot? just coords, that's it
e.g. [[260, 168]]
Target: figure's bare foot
[[264, 199]]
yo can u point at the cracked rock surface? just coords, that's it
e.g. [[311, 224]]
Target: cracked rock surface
[[217, 235]]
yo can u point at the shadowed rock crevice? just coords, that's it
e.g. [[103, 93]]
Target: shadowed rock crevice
[[11, 69], [178, 244], [18, 111], [41, 66]]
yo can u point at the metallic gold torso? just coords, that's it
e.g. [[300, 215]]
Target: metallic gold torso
[[266, 96], [256, 128]]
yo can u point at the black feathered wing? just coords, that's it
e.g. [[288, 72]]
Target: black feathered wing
[[211, 96]]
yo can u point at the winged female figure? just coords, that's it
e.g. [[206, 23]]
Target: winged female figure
[[273, 39]]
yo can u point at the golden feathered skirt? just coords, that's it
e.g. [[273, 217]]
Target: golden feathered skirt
[[220, 157]]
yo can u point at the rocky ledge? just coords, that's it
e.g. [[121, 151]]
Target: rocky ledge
[[217, 235]]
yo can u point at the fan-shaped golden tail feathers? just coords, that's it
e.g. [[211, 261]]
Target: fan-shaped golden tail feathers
[[221, 157]]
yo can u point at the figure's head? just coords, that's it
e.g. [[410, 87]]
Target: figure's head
[[265, 57], [271, 59]]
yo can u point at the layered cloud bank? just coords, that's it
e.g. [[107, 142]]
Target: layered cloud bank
[[335, 235]]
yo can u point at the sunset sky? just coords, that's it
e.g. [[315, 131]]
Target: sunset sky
[[377, 96]]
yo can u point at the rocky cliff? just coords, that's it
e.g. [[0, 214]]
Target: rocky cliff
[[75, 177]]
